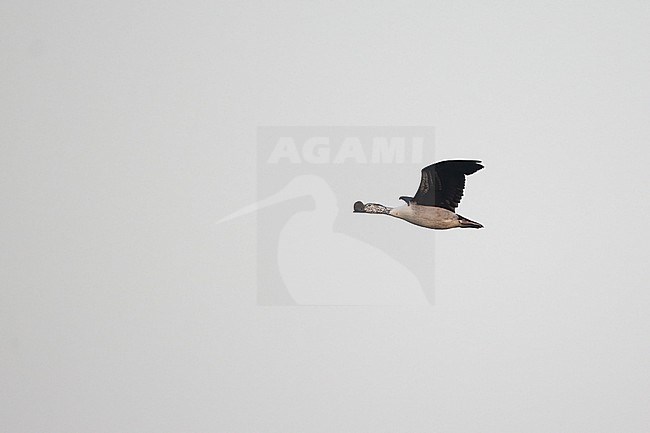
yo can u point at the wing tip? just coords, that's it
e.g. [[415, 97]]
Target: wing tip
[[468, 166]]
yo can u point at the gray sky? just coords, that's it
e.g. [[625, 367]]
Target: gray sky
[[129, 129]]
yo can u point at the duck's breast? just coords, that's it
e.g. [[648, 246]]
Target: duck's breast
[[427, 216]]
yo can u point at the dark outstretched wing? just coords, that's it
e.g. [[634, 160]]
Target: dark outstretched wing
[[442, 183]]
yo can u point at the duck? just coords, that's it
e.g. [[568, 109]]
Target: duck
[[441, 189]]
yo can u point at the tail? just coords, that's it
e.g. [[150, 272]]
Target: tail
[[467, 223]]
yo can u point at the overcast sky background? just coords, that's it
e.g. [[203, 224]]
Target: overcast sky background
[[128, 128]]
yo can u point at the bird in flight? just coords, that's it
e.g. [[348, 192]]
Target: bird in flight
[[435, 202]]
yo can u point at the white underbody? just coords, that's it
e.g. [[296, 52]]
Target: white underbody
[[426, 216]]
